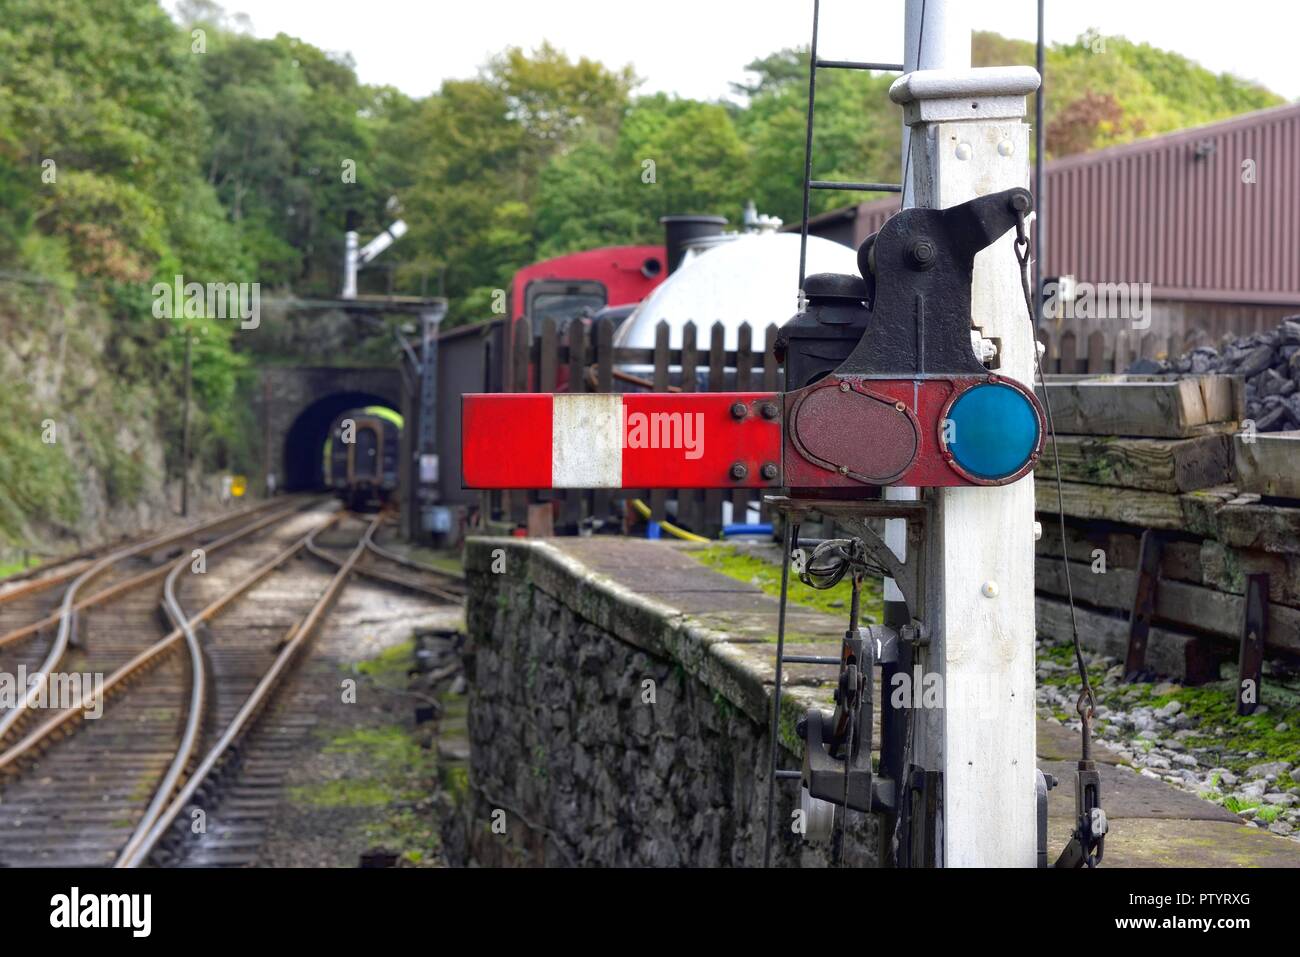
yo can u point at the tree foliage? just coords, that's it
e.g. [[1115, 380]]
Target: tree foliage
[[188, 146]]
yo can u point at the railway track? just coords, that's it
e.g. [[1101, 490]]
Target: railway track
[[196, 718]]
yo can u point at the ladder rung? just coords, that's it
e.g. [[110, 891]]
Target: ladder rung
[[808, 660], [858, 65], [857, 187], [788, 775]]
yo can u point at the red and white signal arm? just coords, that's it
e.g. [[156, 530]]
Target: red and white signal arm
[[659, 440], [841, 433], [910, 404]]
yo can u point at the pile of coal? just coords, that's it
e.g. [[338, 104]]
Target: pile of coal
[[1269, 362]]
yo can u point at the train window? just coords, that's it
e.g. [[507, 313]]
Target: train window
[[562, 300]]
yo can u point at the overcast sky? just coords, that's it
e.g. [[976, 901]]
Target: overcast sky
[[697, 47]]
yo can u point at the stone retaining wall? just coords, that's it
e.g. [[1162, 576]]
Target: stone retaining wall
[[610, 728]]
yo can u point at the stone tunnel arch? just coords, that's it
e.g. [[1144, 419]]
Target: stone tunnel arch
[[299, 403], [303, 468]]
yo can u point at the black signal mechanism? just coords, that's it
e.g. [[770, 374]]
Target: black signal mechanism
[[825, 333], [888, 356], [908, 315], [921, 262]]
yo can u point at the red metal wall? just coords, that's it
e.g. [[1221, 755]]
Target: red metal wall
[[1151, 211], [620, 268], [1154, 211]]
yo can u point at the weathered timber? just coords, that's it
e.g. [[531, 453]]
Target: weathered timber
[[1196, 513], [1097, 543], [1179, 603], [1201, 509], [1268, 463], [1089, 542], [1182, 656], [1226, 568], [1145, 406], [1272, 528], [1158, 465], [1131, 506]]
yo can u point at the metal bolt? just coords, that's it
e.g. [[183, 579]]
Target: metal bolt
[[922, 253], [770, 411], [844, 387], [1006, 148], [844, 470], [738, 471], [964, 151], [900, 407], [769, 471], [739, 410], [990, 589]]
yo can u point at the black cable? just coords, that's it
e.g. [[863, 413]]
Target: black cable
[[1086, 694], [834, 558]]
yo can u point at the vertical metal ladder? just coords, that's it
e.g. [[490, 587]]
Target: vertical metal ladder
[[791, 539], [809, 184]]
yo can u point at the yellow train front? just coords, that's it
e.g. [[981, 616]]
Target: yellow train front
[[361, 460]]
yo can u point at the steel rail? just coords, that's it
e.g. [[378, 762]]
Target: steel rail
[[198, 672], [36, 579], [149, 657], [69, 606], [34, 628], [33, 584], [252, 705], [379, 574], [35, 575], [413, 564]]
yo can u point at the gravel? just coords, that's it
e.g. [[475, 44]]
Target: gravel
[[1269, 362], [1153, 741]]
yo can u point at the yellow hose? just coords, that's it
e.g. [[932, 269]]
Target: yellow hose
[[644, 511]]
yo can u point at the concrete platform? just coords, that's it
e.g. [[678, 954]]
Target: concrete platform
[[1152, 823]]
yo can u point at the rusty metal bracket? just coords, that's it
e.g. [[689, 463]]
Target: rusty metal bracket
[[1254, 632], [1144, 604], [919, 840]]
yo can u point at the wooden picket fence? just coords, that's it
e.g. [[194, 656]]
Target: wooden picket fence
[[1071, 351], [582, 358]]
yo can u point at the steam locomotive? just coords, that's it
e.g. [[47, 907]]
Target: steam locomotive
[[361, 459]]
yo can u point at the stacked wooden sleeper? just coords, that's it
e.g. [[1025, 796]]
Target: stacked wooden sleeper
[[1168, 455]]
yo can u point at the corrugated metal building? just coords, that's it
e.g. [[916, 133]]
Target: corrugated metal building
[[1209, 216]]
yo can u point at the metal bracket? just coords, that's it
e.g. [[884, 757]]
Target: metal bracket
[[1088, 842], [1144, 603], [920, 819], [1042, 784], [909, 575], [837, 749], [1254, 632]]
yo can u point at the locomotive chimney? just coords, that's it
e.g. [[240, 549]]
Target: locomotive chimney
[[678, 230]]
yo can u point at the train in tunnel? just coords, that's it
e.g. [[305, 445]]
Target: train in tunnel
[[361, 459]]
